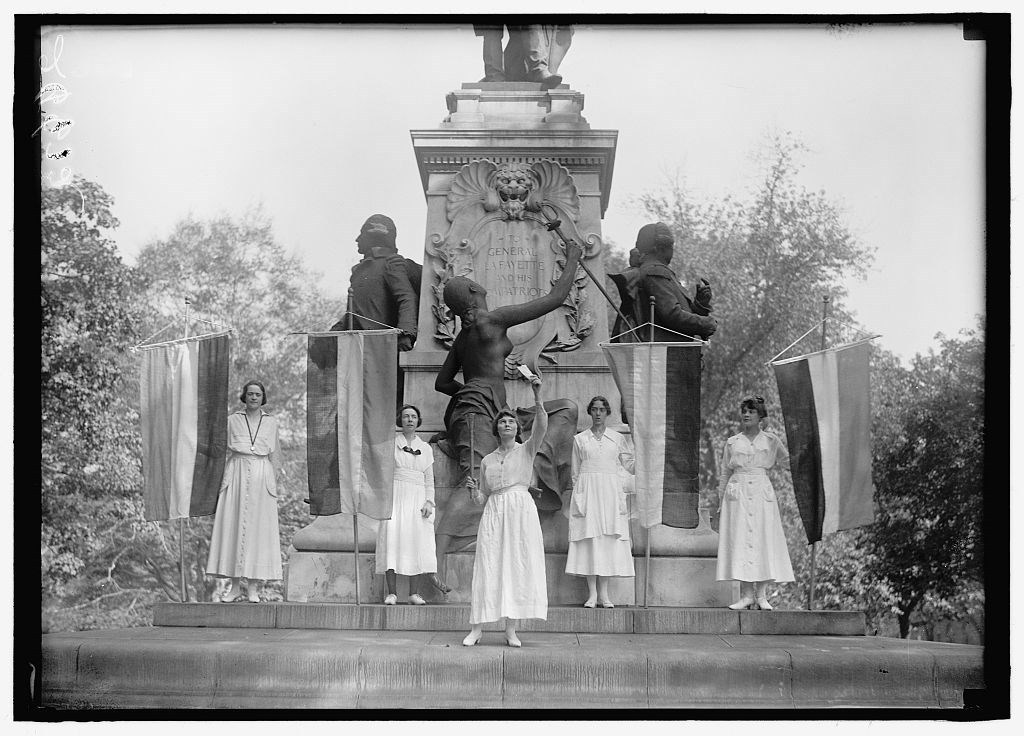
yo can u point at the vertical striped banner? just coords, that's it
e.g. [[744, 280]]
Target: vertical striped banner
[[826, 405], [183, 412], [660, 387], [351, 380]]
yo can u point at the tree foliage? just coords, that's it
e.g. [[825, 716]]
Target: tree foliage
[[928, 465], [237, 274], [771, 257], [90, 472], [103, 564]]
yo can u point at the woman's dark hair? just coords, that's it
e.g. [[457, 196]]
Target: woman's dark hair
[[247, 384], [398, 416], [507, 413], [756, 403], [603, 400]]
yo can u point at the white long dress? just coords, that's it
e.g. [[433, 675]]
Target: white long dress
[[246, 541], [599, 541], [751, 543], [508, 569], [405, 542]]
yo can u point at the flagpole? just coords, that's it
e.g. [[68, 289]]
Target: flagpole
[[181, 522], [814, 545], [647, 551], [355, 495]]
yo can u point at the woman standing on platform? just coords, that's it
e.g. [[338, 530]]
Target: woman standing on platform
[[509, 580], [405, 542], [599, 544], [751, 545], [246, 541]]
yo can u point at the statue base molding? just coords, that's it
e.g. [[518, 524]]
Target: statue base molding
[[328, 577]]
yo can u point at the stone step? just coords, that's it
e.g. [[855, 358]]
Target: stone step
[[404, 617], [180, 667]]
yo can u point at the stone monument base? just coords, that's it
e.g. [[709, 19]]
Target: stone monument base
[[328, 577]]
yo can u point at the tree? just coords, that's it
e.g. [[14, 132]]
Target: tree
[[237, 274], [90, 477], [928, 470], [770, 260]]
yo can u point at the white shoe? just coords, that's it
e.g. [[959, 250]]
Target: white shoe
[[746, 597], [228, 595], [763, 604], [391, 599], [472, 638], [744, 602], [417, 600]]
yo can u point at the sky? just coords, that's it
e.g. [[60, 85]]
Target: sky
[[312, 123]]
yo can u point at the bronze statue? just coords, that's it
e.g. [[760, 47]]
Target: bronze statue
[[384, 285], [626, 283], [479, 351], [675, 314], [533, 53]]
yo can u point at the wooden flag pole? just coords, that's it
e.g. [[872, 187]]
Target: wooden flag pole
[[647, 550], [814, 545], [181, 522], [355, 499]]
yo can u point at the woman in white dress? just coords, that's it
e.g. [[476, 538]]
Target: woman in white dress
[[246, 541], [751, 544], [405, 542], [508, 570], [599, 544]]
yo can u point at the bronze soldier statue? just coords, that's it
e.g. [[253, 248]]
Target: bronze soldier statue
[[675, 313]]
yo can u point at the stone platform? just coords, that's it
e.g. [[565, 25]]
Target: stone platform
[[561, 619], [276, 668]]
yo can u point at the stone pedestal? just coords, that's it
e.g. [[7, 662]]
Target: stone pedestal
[[321, 565], [502, 149], [513, 123]]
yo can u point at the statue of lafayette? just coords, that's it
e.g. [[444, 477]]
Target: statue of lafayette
[[533, 53]]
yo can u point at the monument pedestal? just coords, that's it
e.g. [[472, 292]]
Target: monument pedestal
[[513, 124], [321, 564], [502, 150]]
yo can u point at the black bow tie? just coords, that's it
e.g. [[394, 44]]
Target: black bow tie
[[410, 450]]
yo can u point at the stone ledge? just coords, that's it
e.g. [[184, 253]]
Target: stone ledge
[[561, 619], [811, 623], [328, 669]]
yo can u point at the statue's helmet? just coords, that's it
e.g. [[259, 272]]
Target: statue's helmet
[[461, 293], [377, 231]]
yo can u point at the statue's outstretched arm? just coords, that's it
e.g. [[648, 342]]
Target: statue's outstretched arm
[[515, 314]]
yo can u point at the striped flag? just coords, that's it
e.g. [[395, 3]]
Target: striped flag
[[351, 380], [660, 387], [826, 404], [183, 410]]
